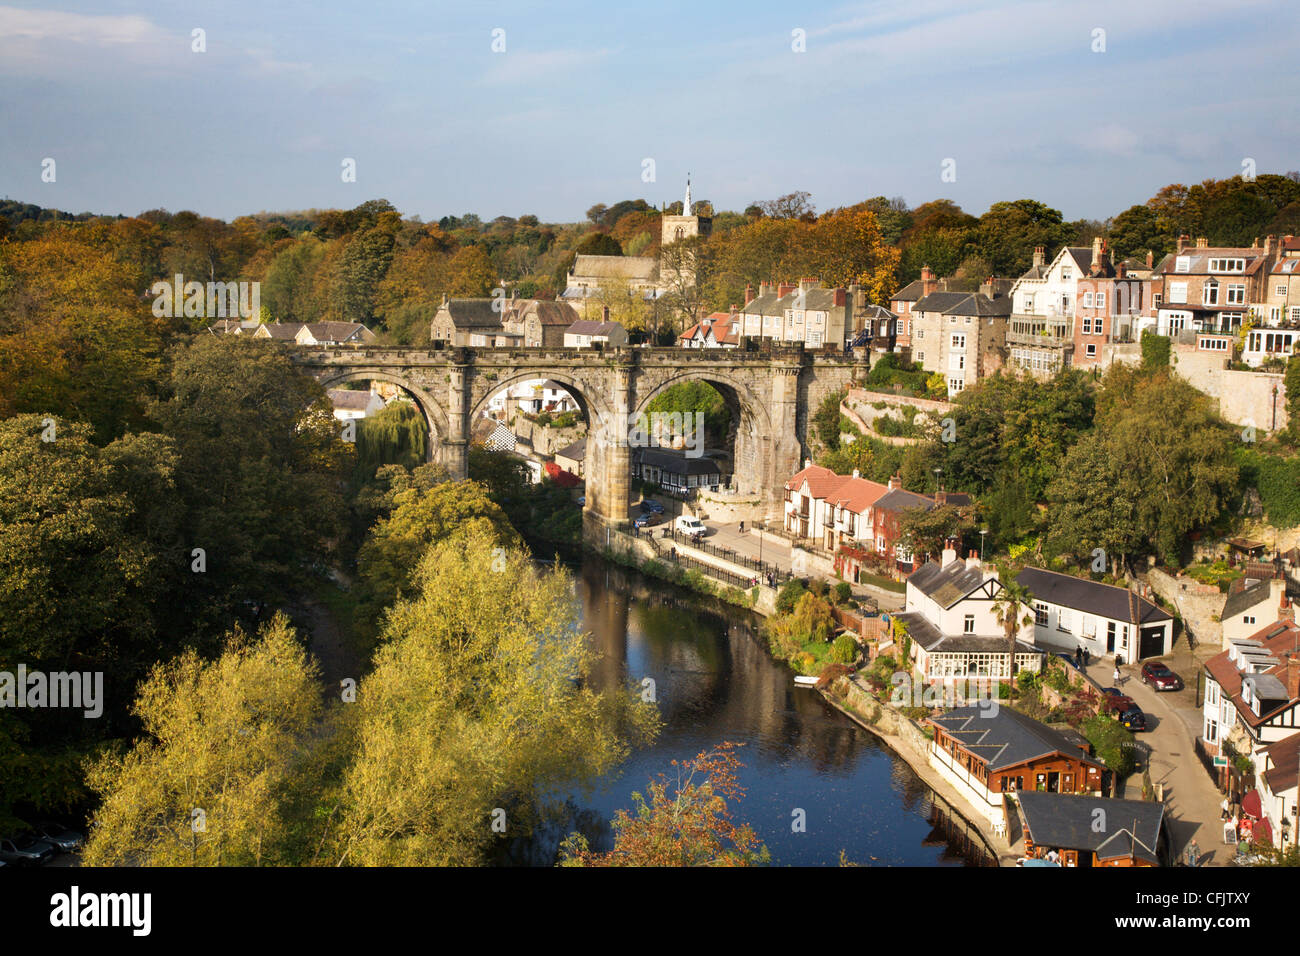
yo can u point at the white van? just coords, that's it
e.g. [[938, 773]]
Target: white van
[[688, 524]]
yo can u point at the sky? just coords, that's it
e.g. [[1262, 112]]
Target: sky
[[547, 108]]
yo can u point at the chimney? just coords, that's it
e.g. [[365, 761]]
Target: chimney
[[986, 288], [949, 552], [1292, 677], [604, 313], [1121, 270], [807, 462], [1151, 259], [764, 288], [940, 498], [1286, 610], [733, 313], [1202, 242], [927, 281], [895, 482], [784, 289], [973, 561], [444, 298], [749, 293], [840, 297], [1040, 256], [1183, 240]]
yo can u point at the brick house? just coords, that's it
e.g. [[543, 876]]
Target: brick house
[[962, 335], [1211, 288]]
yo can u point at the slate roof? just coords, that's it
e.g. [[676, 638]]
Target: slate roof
[[946, 585], [909, 293], [473, 313], [964, 303], [549, 312], [286, 331], [1082, 256], [592, 327], [677, 464], [900, 500], [1004, 738], [350, 399], [336, 331], [574, 452], [767, 304], [1254, 592], [1067, 821], [926, 635], [1199, 264], [1104, 600]]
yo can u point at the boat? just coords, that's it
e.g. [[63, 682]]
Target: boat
[[805, 681]]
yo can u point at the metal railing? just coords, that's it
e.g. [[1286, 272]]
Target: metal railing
[[765, 572]]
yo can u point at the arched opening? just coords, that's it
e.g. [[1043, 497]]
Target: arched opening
[[390, 420], [697, 433]]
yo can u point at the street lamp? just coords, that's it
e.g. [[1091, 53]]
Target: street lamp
[[983, 532], [937, 472]]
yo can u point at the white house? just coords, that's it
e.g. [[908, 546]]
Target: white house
[[949, 615], [531, 396], [1070, 613], [1252, 691], [352, 403], [1254, 605], [1277, 771], [585, 333], [834, 509]]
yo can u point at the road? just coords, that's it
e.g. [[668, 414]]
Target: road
[[1192, 800]]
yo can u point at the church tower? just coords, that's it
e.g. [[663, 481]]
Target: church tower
[[685, 226]]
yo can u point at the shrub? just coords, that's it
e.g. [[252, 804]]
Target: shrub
[[789, 596], [844, 650], [1111, 742], [843, 591]]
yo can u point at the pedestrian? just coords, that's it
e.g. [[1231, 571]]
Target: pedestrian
[[1078, 658], [1226, 809], [1086, 655], [1193, 854], [742, 527], [1115, 676]]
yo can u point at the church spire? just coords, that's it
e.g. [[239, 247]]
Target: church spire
[[686, 206]]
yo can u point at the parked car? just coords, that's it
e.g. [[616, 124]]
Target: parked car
[[688, 524], [1133, 719], [64, 838], [651, 506], [27, 849], [647, 520], [582, 501], [1160, 677]]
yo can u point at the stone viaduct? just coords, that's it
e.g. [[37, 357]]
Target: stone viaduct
[[771, 393]]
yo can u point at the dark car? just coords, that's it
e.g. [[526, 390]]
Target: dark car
[[1160, 677], [650, 506], [27, 848], [1133, 719], [63, 838], [647, 520]]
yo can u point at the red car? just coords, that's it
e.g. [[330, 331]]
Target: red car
[[1160, 677]]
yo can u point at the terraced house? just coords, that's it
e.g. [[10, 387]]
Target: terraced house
[[1206, 288], [962, 335]]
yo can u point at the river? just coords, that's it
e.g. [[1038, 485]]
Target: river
[[715, 681]]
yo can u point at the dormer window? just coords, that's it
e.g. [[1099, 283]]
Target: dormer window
[[1183, 264]]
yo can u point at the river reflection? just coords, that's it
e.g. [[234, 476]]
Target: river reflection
[[714, 681]]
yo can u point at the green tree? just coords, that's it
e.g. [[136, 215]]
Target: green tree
[[1012, 610], [477, 701]]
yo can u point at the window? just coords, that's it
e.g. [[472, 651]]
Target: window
[[968, 624], [1087, 300], [1029, 302], [1066, 272], [1227, 265], [920, 333], [959, 341], [1101, 300], [920, 356], [1063, 620], [955, 385], [1092, 350], [1040, 614], [1157, 298], [1247, 619], [1178, 292], [956, 361], [1280, 289], [968, 320], [1236, 294], [1183, 264], [1210, 293]]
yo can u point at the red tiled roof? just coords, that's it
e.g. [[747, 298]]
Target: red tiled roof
[[858, 494], [822, 482], [1285, 636]]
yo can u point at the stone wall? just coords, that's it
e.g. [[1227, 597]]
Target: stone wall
[[1244, 398], [547, 441], [1198, 604]]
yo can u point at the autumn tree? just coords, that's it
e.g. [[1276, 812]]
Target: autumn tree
[[205, 784], [688, 820], [477, 710]]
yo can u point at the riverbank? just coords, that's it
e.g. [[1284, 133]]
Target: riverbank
[[908, 743]]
